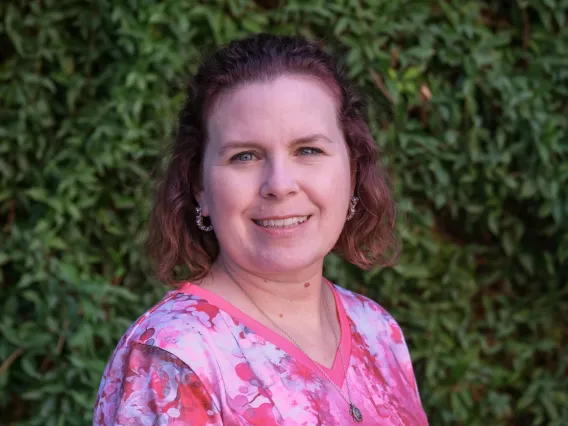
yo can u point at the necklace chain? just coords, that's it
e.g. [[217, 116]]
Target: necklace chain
[[353, 410]]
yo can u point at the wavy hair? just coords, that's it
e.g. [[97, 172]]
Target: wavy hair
[[174, 240]]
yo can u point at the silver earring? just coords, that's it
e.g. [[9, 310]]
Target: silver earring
[[352, 207], [199, 220]]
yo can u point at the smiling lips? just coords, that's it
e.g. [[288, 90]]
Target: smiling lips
[[281, 223]]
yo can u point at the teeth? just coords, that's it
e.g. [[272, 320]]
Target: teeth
[[281, 223]]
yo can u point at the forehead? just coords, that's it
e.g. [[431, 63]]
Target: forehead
[[288, 107]]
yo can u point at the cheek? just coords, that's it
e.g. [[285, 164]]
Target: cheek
[[227, 194], [333, 189]]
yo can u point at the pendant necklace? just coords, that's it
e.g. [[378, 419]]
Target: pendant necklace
[[354, 412]]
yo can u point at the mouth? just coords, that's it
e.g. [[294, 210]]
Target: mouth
[[281, 223]]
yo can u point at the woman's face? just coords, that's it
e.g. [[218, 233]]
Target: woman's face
[[276, 175]]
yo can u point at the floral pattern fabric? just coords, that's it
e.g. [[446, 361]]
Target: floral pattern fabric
[[195, 359]]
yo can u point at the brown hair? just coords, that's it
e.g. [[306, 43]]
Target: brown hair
[[175, 240]]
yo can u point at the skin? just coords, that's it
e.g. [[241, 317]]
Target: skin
[[256, 166]]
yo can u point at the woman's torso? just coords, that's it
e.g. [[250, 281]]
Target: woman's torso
[[251, 375]]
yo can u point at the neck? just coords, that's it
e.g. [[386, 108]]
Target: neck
[[295, 295]]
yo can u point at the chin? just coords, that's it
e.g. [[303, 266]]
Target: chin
[[285, 261]]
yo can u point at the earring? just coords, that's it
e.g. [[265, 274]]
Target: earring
[[199, 220], [352, 207]]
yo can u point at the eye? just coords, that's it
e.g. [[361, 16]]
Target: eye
[[309, 151], [244, 157]]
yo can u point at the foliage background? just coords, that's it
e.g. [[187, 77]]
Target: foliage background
[[468, 99]]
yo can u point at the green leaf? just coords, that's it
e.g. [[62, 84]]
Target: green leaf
[[413, 271]]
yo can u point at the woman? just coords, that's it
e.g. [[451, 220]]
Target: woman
[[273, 167]]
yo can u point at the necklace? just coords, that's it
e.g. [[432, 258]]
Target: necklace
[[353, 410]]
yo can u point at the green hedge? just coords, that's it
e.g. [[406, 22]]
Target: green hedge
[[468, 98]]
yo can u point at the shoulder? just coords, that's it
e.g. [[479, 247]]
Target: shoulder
[[362, 310], [170, 343], [374, 323], [177, 323], [377, 328]]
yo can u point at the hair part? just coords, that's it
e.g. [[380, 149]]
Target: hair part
[[174, 240]]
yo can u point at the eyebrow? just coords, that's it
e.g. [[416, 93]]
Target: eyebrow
[[250, 144]]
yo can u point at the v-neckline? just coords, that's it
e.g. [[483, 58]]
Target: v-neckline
[[335, 373]]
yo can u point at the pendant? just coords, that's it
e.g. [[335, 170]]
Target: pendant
[[355, 413]]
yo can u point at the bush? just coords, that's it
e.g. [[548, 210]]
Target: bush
[[468, 98]]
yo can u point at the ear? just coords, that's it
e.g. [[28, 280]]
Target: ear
[[353, 177], [202, 202]]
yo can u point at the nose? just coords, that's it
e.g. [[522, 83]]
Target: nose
[[279, 181]]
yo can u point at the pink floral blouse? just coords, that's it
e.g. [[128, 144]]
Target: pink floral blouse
[[194, 359]]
